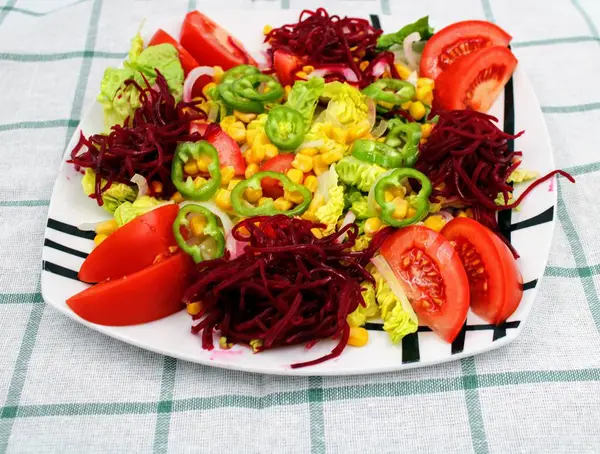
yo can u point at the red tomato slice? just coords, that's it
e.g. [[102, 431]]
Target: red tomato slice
[[150, 294], [228, 149], [280, 163], [457, 40], [494, 279], [286, 64], [187, 61], [133, 247], [210, 44], [434, 278], [475, 80]]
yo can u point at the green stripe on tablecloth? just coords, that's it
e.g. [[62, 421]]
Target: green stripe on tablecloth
[[571, 109], [39, 124], [487, 10], [285, 4], [28, 12], [385, 7], [6, 9], [578, 251], [586, 18], [586, 271], [583, 168], [470, 384], [191, 5], [21, 298], [164, 407], [24, 203], [317, 423], [61, 56], [551, 41]]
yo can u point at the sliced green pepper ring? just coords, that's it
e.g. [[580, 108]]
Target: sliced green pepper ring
[[237, 102], [247, 87], [392, 91], [420, 202], [239, 71], [375, 152], [211, 243], [187, 151], [244, 209], [285, 127], [407, 136]]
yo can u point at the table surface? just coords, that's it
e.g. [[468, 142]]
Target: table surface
[[66, 388]]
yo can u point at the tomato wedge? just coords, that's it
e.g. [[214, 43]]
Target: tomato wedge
[[286, 64], [494, 279], [132, 247], [457, 40], [475, 80], [142, 297], [228, 149], [280, 163], [210, 44], [433, 277], [187, 61]]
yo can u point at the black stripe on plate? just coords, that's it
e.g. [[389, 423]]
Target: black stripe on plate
[[530, 285], [541, 218], [70, 229], [68, 250], [459, 343], [425, 329], [504, 216], [60, 270], [499, 333], [410, 348], [375, 21]]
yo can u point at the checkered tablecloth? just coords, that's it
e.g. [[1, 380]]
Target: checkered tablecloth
[[65, 388]]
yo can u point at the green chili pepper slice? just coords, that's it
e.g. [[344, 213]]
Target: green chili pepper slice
[[247, 87], [420, 202], [245, 209], [200, 249], [375, 152], [392, 91], [239, 71], [285, 127], [194, 150], [407, 136], [237, 102]]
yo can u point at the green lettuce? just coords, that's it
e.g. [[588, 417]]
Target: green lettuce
[[333, 193], [304, 97], [115, 195], [421, 26], [359, 205], [354, 172], [347, 106], [128, 211], [360, 316]]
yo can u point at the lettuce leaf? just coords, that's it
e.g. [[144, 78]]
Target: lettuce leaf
[[333, 193], [115, 195], [304, 97], [347, 106], [128, 211], [354, 172], [421, 26], [360, 316]]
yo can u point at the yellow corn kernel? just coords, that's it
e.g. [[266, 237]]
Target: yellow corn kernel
[[194, 308], [177, 197], [223, 199], [295, 175], [270, 151], [425, 82], [357, 132], [107, 227], [326, 129], [256, 154], [386, 74], [250, 136], [100, 238], [318, 233], [208, 87], [363, 65], [227, 173], [251, 170], [253, 195], [372, 226], [264, 200], [406, 105], [411, 212], [203, 162], [385, 105], [237, 131], [435, 222], [404, 71], [340, 135], [398, 191], [190, 167], [332, 156], [425, 95], [358, 337], [310, 151], [401, 209], [200, 181], [267, 29], [388, 196], [417, 110], [302, 74], [303, 163], [319, 165], [261, 139], [244, 117], [426, 130], [308, 69], [287, 90], [156, 186], [310, 216], [311, 183], [227, 121], [233, 183], [293, 196], [197, 224], [282, 204], [218, 75], [422, 140]]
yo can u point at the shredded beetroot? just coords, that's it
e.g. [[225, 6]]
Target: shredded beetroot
[[288, 287], [145, 144]]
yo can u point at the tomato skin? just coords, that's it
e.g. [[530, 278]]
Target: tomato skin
[[286, 64], [504, 281], [459, 86], [456, 40], [132, 247], [280, 163], [447, 319], [187, 61], [147, 295], [228, 149], [210, 44]]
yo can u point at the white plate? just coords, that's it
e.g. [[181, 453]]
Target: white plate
[[530, 229]]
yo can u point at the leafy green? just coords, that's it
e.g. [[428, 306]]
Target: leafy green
[[421, 26], [360, 316], [360, 174], [333, 193], [128, 211], [347, 105], [304, 97], [360, 206], [115, 195]]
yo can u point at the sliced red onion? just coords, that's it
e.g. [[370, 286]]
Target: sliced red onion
[[235, 247], [343, 70], [412, 78], [379, 68], [397, 289], [141, 183], [223, 217], [213, 113], [348, 219], [411, 57], [372, 112], [380, 129], [446, 214], [311, 144], [191, 79]]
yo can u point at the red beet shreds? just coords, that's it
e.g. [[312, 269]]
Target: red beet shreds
[[288, 287]]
